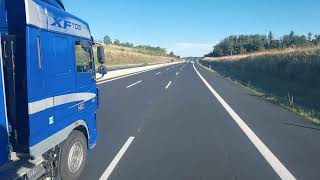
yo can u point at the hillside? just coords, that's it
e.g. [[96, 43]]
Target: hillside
[[288, 77], [117, 55], [265, 53]]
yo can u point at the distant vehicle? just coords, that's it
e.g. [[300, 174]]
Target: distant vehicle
[[48, 91]]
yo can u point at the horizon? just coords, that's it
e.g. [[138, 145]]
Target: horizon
[[191, 29]]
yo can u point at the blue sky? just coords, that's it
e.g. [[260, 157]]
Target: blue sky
[[192, 27]]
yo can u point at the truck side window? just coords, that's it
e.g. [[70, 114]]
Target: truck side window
[[84, 60]]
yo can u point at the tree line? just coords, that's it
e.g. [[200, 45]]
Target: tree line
[[142, 48], [244, 44]]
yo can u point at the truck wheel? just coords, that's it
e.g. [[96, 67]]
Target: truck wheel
[[73, 156]]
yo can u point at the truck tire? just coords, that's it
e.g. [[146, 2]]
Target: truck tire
[[73, 156]]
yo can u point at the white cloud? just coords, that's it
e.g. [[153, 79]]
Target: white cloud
[[192, 49]]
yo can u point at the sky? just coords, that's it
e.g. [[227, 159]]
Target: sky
[[193, 27]]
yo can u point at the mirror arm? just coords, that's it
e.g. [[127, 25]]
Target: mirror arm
[[100, 77], [94, 78]]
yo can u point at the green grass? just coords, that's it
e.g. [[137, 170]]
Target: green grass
[[291, 79]]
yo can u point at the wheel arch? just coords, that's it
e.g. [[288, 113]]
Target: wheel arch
[[57, 138], [84, 130]]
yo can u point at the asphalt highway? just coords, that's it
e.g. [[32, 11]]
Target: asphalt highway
[[185, 122]]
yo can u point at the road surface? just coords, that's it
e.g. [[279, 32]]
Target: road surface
[[185, 122]]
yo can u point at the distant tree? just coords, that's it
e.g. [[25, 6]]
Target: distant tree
[[117, 42], [130, 45], [316, 40], [242, 50], [310, 37], [291, 38], [291, 35], [270, 37], [300, 40], [107, 40], [243, 44], [171, 54], [288, 40], [275, 44]]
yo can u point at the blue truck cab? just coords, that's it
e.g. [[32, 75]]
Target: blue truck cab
[[48, 91]]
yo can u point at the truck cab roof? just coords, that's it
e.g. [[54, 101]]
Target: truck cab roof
[[55, 3], [47, 15], [53, 17]]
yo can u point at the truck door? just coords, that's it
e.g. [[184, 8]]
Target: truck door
[[85, 81], [60, 78]]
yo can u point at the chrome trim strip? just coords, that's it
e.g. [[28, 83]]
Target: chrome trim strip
[[44, 104]]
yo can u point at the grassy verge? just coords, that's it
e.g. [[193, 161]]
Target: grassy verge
[[289, 78], [117, 55]]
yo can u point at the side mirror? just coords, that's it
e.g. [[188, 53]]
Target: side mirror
[[100, 54], [102, 70]]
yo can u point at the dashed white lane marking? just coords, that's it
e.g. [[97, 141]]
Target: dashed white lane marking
[[168, 85], [158, 73], [121, 77], [133, 84], [116, 159], [167, 69], [177, 73], [275, 163]]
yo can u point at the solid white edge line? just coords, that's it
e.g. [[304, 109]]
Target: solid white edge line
[[274, 162], [168, 85], [134, 84], [116, 159], [121, 77]]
